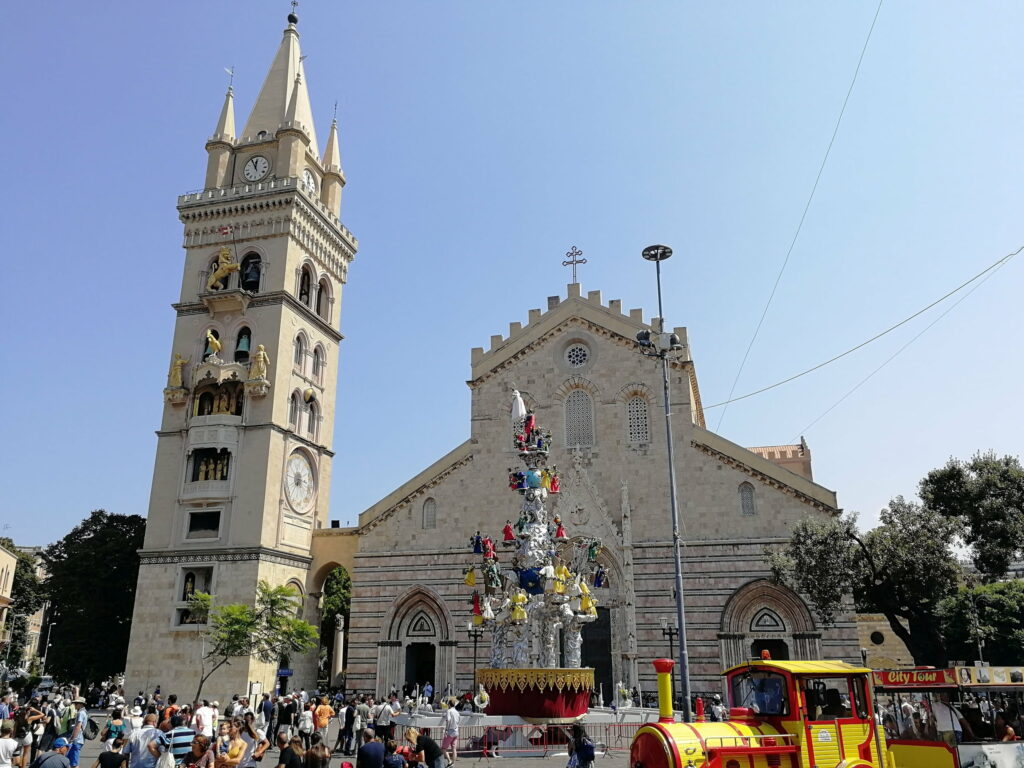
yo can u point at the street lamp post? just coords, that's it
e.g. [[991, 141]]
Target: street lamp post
[[660, 344], [46, 650], [475, 633]]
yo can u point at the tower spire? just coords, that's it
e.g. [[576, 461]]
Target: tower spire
[[225, 130], [284, 98], [332, 155]]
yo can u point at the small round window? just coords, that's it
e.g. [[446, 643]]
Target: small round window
[[877, 638], [577, 355]]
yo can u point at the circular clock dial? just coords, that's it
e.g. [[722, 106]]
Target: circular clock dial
[[298, 482], [309, 180], [256, 168]]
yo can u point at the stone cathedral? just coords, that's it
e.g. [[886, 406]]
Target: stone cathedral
[[243, 464]]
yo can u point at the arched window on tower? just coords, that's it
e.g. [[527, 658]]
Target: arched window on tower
[[430, 513], [305, 286], [323, 299], [747, 506], [243, 343], [579, 419], [293, 411], [252, 267], [300, 353], [313, 419], [636, 420], [318, 364]]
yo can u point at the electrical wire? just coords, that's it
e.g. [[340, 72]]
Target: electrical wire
[[876, 337], [898, 351], [803, 216]]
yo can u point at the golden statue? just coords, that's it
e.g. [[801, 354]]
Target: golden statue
[[219, 471], [174, 376], [204, 468], [212, 343], [225, 266], [260, 361]]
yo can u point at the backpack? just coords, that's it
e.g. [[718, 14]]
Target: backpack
[[91, 730], [584, 750]]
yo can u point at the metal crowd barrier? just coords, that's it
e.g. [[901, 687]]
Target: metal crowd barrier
[[537, 740]]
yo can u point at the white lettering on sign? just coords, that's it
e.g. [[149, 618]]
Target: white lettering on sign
[[824, 736]]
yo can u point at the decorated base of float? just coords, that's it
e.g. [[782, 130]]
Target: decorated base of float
[[538, 695]]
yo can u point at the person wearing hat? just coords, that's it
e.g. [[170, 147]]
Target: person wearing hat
[[136, 718], [54, 758], [81, 718], [717, 709]]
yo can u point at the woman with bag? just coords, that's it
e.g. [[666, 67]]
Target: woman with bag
[[24, 725], [115, 728], [306, 725]]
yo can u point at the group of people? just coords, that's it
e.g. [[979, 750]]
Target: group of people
[[973, 719], [34, 729]]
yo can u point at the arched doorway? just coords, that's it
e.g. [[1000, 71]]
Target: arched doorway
[[416, 645], [335, 599], [764, 616]]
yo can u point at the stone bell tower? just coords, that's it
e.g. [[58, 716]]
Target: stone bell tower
[[243, 462]]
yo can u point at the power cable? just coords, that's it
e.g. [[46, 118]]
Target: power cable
[[877, 336], [803, 216], [898, 351]]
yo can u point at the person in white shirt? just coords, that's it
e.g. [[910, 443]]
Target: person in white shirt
[[204, 722], [9, 747], [949, 723], [450, 742]]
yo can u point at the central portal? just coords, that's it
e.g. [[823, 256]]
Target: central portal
[[420, 661], [597, 652]]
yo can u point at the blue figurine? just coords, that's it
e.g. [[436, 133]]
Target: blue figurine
[[533, 479], [478, 544]]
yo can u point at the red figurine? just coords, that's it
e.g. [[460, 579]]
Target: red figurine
[[556, 484], [488, 548], [530, 423], [507, 533], [476, 603], [560, 529]]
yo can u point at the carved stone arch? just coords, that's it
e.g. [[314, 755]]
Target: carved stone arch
[[576, 382], [414, 601], [418, 627], [634, 389], [770, 614]]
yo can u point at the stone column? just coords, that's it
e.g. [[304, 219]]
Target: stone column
[[338, 657]]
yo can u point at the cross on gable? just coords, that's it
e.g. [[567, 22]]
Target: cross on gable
[[574, 259]]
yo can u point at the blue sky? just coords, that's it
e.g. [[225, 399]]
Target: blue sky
[[481, 141]]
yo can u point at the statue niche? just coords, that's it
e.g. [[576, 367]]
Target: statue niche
[[210, 464], [226, 399]]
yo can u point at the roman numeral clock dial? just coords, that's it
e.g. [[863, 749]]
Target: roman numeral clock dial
[[256, 168]]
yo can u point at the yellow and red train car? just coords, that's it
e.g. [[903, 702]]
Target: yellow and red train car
[[783, 714]]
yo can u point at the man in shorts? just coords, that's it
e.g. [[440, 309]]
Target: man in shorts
[[450, 742]]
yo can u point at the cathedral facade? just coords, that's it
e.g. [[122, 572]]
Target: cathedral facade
[[577, 365]]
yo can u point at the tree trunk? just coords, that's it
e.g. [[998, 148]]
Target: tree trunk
[[921, 638], [206, 676]]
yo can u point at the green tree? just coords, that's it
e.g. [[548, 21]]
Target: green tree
[[903, 569], [993, 613], [336, 600], [986, 495], [27, 597], [92, 573], [266, 631]]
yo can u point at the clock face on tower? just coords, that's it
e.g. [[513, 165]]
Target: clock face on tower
[[256, 168], [309, 181], [299, 486]]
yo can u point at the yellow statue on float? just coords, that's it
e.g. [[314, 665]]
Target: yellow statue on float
[[226, 264]]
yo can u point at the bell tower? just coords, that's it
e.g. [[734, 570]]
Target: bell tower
[[243, 462]]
